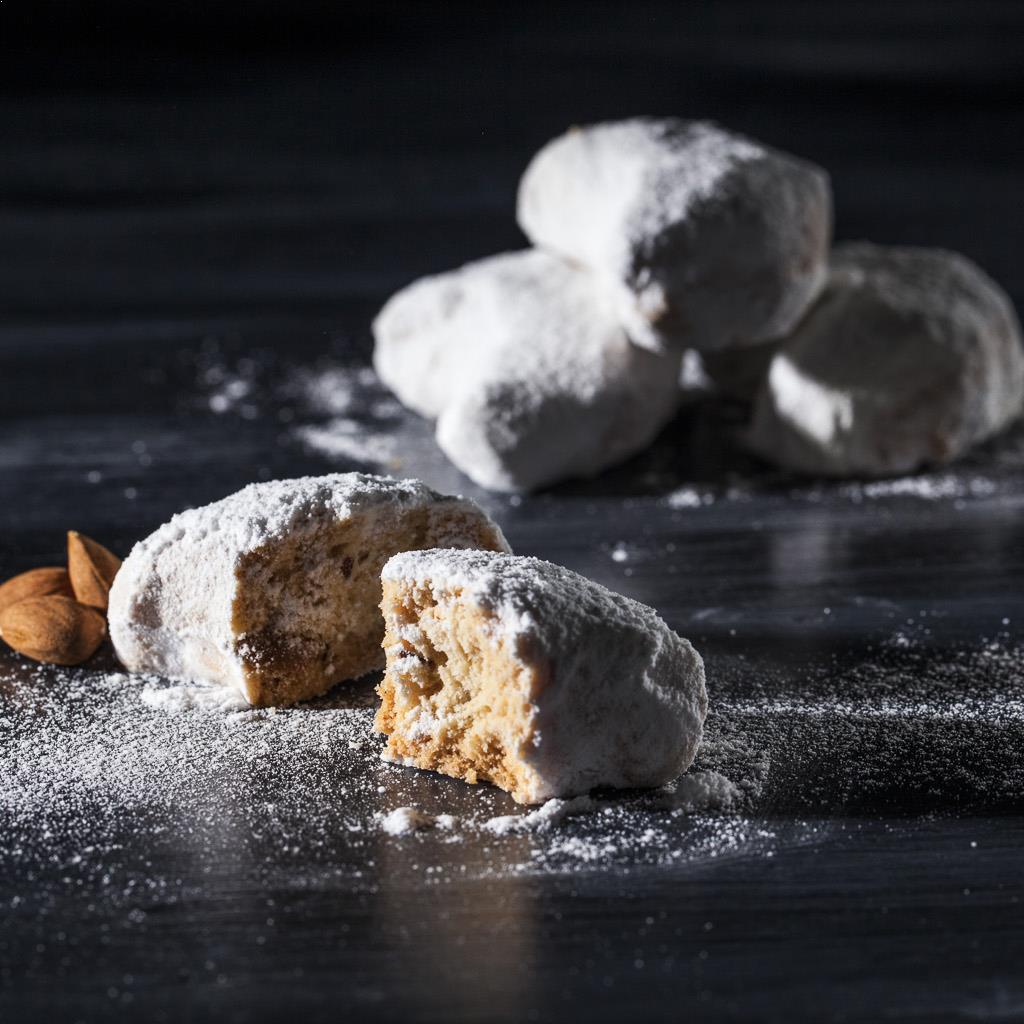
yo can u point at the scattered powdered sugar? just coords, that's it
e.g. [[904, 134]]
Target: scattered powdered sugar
[[87, 755], [954, 487], [88, 758], [927, 487], [546, 816], [688, 497], [693, 378], [231, 389], [364, 423], [700, 791], [347, 415], [913, 725], [192, 697], [336, 390], [83, 749], [343, 413], [346, 438], [403, 820], [704, 791]]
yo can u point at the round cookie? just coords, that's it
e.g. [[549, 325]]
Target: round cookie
[[526, 368], [275, 589], [524, 674], [910, 357], [705, 239]]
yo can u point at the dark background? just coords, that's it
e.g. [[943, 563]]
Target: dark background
[[197, 186], [166, 158]]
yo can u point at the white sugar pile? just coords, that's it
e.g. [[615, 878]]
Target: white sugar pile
[[704, 791], [688, 497], [403, 820], [700, 791], [545, 817], [188, 697]]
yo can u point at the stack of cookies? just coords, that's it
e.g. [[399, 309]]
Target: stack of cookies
[[653, 237]]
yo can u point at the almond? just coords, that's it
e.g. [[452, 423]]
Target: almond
[[35, 583], [53, 629], [92, 569]]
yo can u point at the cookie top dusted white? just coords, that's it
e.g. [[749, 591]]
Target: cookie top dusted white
[[705, 239], [618, 698], [173, 602], [523, 362], [910, 357]]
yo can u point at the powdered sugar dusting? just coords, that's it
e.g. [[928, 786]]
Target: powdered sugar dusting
[[192, 697], [654, 205], [342, 437], [85, 754], [546, 816], [927, 487], [403, 820], [363, 424], [341, 412], [526, 369], [704, 791], [689, 497]]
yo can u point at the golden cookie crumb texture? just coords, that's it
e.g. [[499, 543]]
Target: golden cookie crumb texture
[[521, 673]]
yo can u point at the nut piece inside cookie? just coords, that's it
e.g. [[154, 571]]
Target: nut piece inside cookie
[[455, 697]]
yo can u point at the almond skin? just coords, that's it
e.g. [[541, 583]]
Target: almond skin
[[53, 629], [92, 569], [46, 582]]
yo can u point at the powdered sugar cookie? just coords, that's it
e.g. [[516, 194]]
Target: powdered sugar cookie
[[910, 357], [704, 239], [526, 368], [522, 673], [275, 589]]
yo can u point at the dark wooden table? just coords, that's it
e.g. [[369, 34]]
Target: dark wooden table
[[178, 217]]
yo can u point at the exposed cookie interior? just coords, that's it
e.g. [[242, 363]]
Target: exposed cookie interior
[[457, 697], [306, 612]]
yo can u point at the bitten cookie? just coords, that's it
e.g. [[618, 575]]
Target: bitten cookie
[[275, 590], [910, 357], [705, 239], [526, 368], [521, 673]]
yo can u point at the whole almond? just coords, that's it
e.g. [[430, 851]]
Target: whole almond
[[92, 569], [53, 629], [35, 583]]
